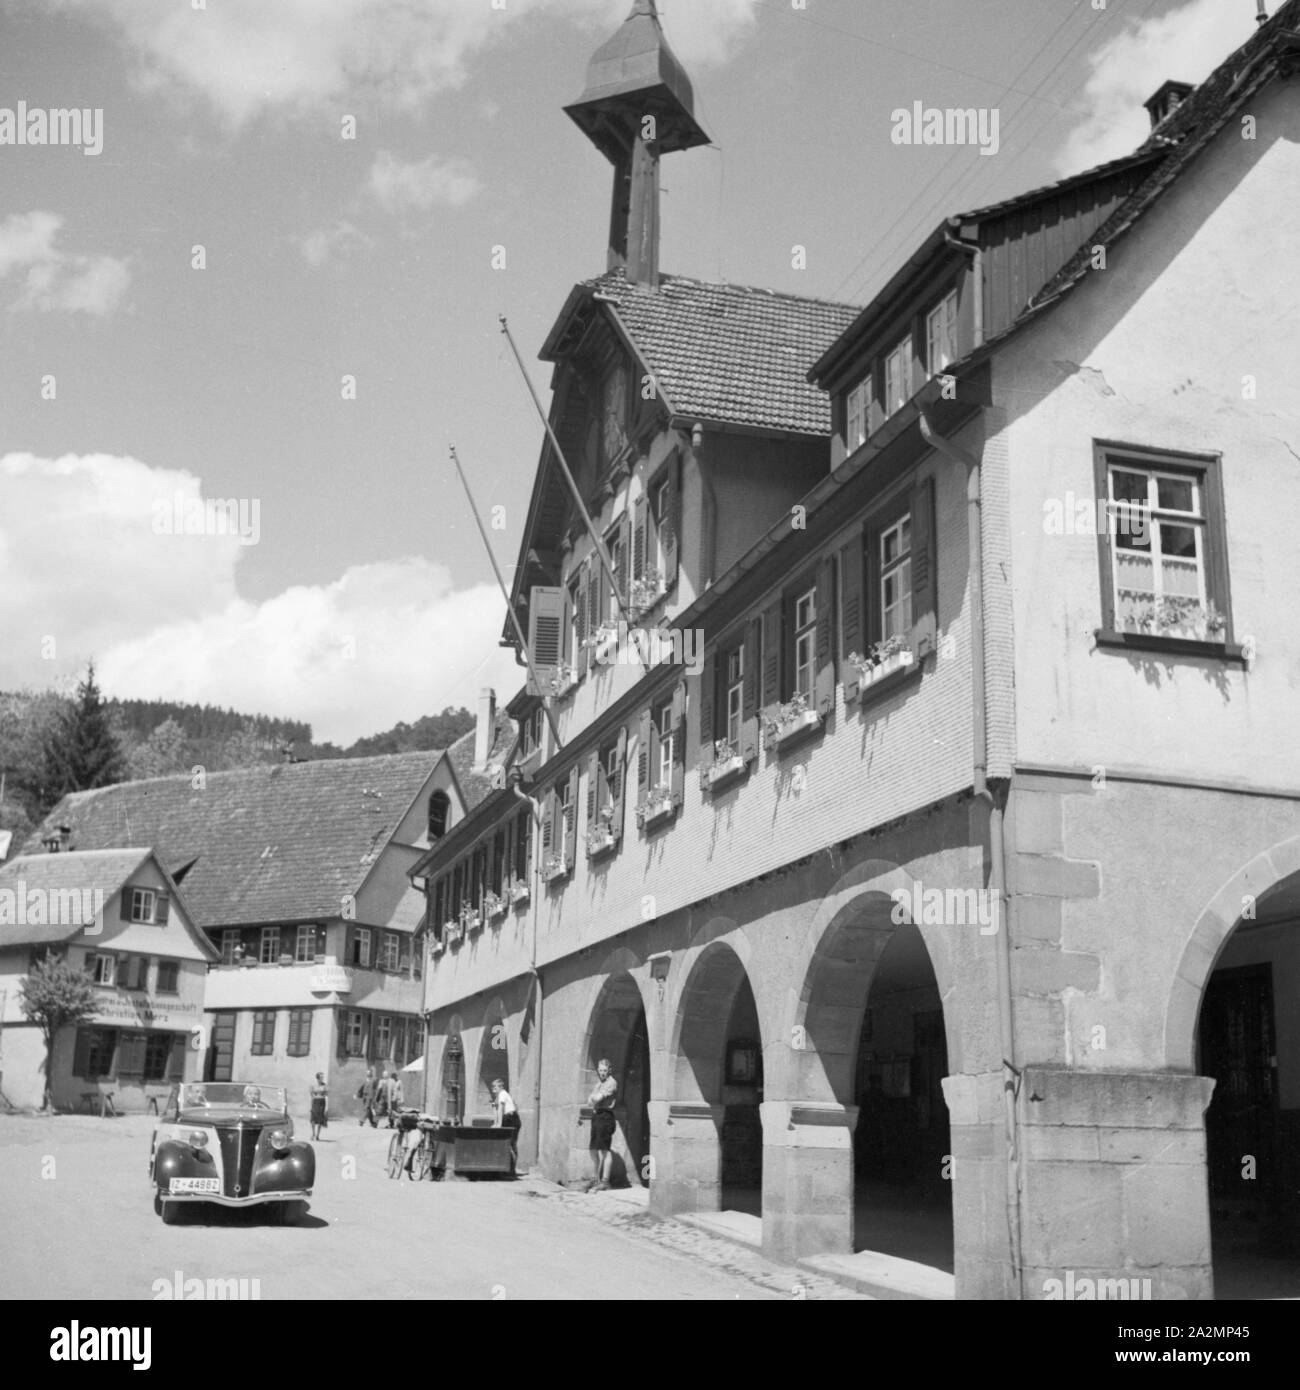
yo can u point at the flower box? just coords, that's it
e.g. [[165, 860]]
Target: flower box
[[600, 840], [494, 906], [790, 723], [646, 592], [727, 766], [553, 870], [886, 659], [519, 893], [656, 807], [452, 932], [1184, 619], [563, 681], [472, 922]]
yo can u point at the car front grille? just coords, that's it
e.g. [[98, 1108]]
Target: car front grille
[[238, 1150]]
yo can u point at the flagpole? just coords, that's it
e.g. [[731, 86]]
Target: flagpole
[[601, 553], [510, 608]]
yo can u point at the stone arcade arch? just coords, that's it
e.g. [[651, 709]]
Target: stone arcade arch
[[617, 1030], [493, 1056], [1231, 1018]]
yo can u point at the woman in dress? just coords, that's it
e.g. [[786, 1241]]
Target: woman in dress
[[320, 1104]]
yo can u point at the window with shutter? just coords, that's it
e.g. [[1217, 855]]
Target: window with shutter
[[617, 780], [597, 594], [708, 691], [750, 694], [571, 820], [131, 1055], [924, 604], [667, 514], [852, 635], [162, 909], [644, 753], [771, 695], [640, 537], [593, 792], [578, 608], [677, 773], [545, 635], [824, 682]]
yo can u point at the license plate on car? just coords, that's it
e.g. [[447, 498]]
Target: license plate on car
[[195, 1185]]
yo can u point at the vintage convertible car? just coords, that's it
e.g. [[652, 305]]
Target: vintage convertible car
[[232, 1144]]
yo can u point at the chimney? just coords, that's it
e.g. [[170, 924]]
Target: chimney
[[1166, 100], [57, 839], [1262, 16], [485, 728]]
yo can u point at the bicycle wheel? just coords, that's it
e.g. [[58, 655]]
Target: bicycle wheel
[[423, 1161], [395, 1156]]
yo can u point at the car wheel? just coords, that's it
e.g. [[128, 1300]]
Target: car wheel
[[395, 1156]]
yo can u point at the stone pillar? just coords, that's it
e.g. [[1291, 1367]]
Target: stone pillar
[[1114, 1187], [983, 1187], [807, 1179], [687, 1149]]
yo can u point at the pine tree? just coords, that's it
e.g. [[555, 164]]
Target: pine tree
[[82, 750]]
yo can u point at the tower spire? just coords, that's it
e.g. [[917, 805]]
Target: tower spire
[[637, 106]]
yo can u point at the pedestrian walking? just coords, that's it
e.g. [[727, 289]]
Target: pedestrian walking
[[320, 1105], [390, 1097], [603, 1124], [506, 1116], [368, 1095]]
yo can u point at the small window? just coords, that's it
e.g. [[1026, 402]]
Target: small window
[[383, 1038], [663, 773], [135, 972], [1158, 533], [101, 968], [941, 334], [805, 642], [169, 974], [613, 773], [305, 946], [356, 1040], [439, 811], [94, 1052], [142, 904], [270, 946], [230, 951], [388, 951], [263, 1032], [857, 409], [734, 694], [361, 947], [896, 578], [299, 1032], [563, 821], [898, 377]]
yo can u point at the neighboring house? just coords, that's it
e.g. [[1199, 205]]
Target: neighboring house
[[298, 875], [117, 915], [963, 870]]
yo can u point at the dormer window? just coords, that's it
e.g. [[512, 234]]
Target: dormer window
[[898, 377], [857, 414], [439, 810], [613, 409], [941, 334]]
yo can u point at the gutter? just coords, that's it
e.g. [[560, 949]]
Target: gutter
[[995, 807]]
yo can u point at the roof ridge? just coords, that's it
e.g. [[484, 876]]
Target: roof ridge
[[736, 286]]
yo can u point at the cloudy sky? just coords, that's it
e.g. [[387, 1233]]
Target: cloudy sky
[[179, 314]]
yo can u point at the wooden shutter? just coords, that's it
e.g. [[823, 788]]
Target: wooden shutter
[[852, 635], [175, 1064], [161, 909], [597, 593], [593, 790], [925, 602], [645, 734], [124, 910], [679, 743], [131, 1055], [749, 696], [824, 677], [545, 635], [581, 624], [772, 634], [640, 536], [342, 1049], [708, 694], [571, 819], [548, 824], [620, 791], [670, 524], [625, 544]]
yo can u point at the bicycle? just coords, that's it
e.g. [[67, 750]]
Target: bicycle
[[411, 1147]]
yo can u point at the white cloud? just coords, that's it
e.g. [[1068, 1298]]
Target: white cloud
[[399, 185], [333, 243], [1186, 44], [250, 56], [81, 562], [53, 279]]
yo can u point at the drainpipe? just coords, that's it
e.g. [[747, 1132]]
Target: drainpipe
[[535, 807], [997, 841], [709, 528]]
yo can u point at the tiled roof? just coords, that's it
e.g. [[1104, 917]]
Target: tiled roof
[[475, 786], [102, 871], [729, 352], [269, 843]]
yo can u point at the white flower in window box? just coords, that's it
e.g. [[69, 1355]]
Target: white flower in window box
[[451, 931], [600, 836], [564, 679], [727, 763], [893, 654], [494, 906], [519, 893], [790, 721], [656, 805], [646, 591], [472, 921], [553, 869], [436, 947], [1182, 617]]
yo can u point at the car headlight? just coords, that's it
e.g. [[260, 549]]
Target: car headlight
[[278, 1139], [198, 1139]]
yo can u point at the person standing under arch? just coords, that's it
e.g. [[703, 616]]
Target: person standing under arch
[[603, 1124]]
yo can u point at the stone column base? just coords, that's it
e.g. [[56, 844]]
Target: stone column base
[[807, 1179], [1114, 1197], [687, 1149]]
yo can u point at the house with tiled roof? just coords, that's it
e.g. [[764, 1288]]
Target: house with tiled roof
[[906, 803], [118, 916], [298, 875]]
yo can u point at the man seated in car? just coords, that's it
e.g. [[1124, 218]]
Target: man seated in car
[[196, 1095], [253, 1097]]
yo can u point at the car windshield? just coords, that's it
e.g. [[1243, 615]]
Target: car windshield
[[231, 1095]]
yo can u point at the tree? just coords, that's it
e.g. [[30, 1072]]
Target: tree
[[82, 751], [54, 995], [164, 751]]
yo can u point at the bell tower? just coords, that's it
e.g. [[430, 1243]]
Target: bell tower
[[637, 106]]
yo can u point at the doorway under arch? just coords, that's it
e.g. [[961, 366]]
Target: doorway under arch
[[618, 1033]]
